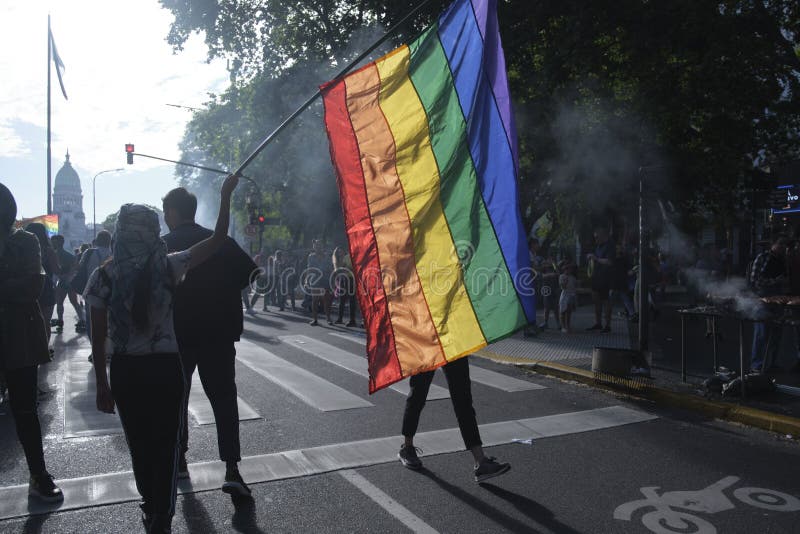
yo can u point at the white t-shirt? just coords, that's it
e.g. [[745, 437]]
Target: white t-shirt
[[569, 285], [159, 337]]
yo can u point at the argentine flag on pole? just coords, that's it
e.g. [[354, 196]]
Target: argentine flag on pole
[[59, 65]]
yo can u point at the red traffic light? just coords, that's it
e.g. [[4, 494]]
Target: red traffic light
[[129, 148], [261, 219]]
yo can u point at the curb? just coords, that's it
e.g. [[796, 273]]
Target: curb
[[644, 389]]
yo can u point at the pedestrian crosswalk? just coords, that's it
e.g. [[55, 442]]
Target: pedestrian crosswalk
[[353, 363], [477, 374], [308, 387], [83, 419], [120, 487], [295, 364]]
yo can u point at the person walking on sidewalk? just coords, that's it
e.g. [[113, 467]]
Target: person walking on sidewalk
[[460, 386], [208, 321], [319, 268], [601, 264], [132, 298], [23, 341]]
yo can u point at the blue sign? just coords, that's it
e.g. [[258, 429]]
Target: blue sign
[[786, 199]]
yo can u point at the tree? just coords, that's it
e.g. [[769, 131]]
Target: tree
[[706, 91]]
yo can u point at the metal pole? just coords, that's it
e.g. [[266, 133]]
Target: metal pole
[[195, 166], [49, 157], [317, 94], [644, 308]]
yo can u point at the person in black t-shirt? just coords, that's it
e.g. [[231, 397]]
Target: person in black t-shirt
[[208, 321]]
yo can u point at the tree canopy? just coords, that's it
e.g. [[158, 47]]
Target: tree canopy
[[707, 92]]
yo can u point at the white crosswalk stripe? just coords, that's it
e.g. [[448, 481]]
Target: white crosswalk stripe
[[353, 363], [477, 374], [308, 387]]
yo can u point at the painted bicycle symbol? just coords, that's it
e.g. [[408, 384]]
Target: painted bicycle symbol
[[711, 500]]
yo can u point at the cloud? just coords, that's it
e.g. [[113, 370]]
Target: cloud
[[120, 74]]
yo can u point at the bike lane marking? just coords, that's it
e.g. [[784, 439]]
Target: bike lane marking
[[113, 488], [661, 518]]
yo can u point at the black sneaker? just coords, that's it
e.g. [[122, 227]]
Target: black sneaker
[[408, 457], [606, 330], [488, 468], [183, 469], [42, 487], [234, 485], [596, 326]]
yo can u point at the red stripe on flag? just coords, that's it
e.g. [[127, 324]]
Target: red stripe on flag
[[384, 367]]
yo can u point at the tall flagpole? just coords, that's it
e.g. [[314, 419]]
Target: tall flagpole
[[49, 159]]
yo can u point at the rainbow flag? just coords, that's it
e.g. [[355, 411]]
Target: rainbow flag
[[424, 146], [50, 223]]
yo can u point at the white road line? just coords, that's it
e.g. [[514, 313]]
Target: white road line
[[120, 487], [306, 386], [200, 406], [400, 512], [352, 362], [477, 374]]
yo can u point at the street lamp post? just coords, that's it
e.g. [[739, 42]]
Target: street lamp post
[[94, 200]]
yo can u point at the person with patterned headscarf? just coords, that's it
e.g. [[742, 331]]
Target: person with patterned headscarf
[[23, 340], [131, 297]]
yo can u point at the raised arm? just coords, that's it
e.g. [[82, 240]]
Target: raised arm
[[206, 248]]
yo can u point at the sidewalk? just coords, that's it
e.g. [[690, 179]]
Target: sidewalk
[[569, 356]]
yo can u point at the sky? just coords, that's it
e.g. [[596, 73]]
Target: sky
[[120, 74]]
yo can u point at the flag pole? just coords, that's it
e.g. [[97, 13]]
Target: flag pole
[[267, 140], [49, 158]]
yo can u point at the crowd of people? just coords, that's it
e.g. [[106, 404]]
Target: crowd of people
[[158, 308], [321, 279]]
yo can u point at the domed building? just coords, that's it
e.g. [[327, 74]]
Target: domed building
[[68, 204]]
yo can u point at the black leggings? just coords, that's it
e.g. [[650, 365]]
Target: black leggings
[[458, 382], [23, 388]]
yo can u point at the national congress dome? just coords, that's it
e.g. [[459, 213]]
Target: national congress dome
[[68, 204]]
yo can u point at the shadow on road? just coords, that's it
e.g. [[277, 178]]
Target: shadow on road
[[530, 508], [196, 515], [34, 524], [244, 518], [541, 516]]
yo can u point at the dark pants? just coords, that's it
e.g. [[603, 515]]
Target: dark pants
[[23, 389], [149, 393], [217, 367], [458, 382], [766, 343]]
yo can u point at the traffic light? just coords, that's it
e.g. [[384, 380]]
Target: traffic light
[[129, 152], [262, 220]]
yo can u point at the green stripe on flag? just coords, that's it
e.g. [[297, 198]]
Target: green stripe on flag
[[486, 275]]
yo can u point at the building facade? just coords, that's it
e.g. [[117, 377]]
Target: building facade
[[68, 204]]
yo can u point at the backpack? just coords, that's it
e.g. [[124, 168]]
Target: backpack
[[79, 281]]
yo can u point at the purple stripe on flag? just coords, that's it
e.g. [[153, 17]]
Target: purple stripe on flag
[[495, 64]]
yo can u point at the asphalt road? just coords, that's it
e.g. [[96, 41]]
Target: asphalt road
[[572, 476]]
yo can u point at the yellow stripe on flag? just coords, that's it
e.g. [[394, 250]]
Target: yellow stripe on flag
[[437, 260]]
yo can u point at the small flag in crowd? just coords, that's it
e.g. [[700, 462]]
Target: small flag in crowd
[[59, 65], [50, 223], [424, 146]]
